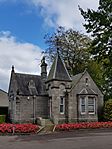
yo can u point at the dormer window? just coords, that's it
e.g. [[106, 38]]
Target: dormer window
[[31, 84], [32, 88]]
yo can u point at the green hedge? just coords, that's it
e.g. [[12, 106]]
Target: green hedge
[[2, 119]]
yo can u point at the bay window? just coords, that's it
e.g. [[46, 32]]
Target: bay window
[[87, 105]]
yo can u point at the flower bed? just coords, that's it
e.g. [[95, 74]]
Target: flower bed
[[88, 125], [18, 128]]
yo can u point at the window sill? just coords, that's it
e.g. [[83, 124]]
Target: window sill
[[91, 113], [83, 113], [62, 113]]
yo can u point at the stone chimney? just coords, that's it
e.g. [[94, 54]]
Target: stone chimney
[[43, 69]]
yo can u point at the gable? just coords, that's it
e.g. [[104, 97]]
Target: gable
[[83, 81]]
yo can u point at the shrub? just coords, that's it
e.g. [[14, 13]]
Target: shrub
[[2, 119], [108, 110]]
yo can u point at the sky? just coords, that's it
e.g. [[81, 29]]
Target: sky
[[23, 25]]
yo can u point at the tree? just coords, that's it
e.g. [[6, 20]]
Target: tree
[[99, 24], [73, 47], [108, 110], [96, 71]]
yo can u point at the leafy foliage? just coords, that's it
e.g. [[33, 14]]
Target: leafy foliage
[[99, 24], [2, 119], [108, 110], [72, 46], [74, 49], [96, 71]]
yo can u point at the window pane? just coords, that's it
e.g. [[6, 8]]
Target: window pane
[[83, 108], [61, 109], [62, 104], [91, 109], [91, 105], [83, 101], [61, 101], [91, 100]]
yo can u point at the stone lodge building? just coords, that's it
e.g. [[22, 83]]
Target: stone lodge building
[[57, 97]]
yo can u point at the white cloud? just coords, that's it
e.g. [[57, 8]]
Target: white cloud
[[60, 12], [64, 12], [25, 56]]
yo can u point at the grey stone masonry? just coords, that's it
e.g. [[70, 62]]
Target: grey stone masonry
[[57, 97]]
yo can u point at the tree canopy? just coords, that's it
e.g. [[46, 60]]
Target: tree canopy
[[99, 24], [74, 49]]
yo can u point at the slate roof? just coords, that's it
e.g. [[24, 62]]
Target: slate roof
[[76, 78], [26, 88], [58, 70]]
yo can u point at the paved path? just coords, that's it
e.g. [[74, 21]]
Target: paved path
[[69, 140]]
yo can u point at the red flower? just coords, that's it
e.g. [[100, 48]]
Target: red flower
[[18, 128], [83, 125]]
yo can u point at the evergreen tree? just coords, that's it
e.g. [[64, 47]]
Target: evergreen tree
[[99, 24]]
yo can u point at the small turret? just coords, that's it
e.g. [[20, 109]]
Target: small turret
[[43, 69]]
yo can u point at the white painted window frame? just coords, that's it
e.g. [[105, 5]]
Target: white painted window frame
[[94, 104], [82, 113], [62, 104], [87, 106]]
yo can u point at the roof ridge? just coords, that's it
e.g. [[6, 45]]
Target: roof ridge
[[28, 74], [78, 79], [78, 74]]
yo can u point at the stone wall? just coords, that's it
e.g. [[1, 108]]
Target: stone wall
[[57, 89], [74, 104], [28, 108]]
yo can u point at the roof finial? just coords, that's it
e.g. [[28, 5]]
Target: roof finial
[[12, 68], [43, 61]]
